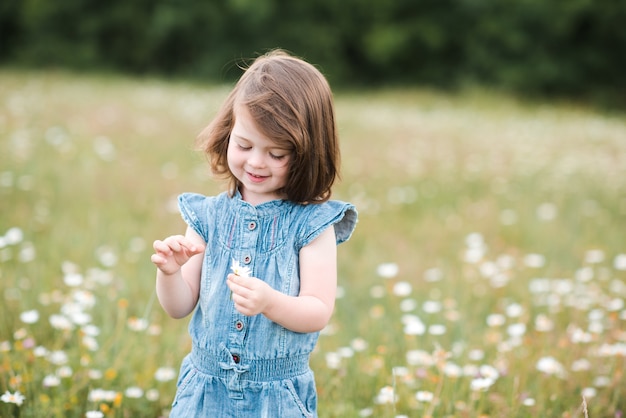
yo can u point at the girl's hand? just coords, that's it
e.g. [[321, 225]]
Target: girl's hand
[[250, 295], [174, 251]]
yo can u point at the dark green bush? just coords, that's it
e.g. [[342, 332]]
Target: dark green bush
[[565, 47]]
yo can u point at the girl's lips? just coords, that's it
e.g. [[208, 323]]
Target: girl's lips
[[254, 178]]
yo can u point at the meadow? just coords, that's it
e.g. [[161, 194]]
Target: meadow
[[486, 277]]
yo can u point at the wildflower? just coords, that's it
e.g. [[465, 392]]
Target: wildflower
[[481, 384], [333, 360], [589, 392], [594, 256], [433, 275], [437, 329], [137, 324], [134, 392], [13, 236], [17, 398], [73, 279], [386, 396], [424, 396], [581, 365], [51, 380], [452, 370], [495, 320], [101, 395], [164, 374], [65, 371], [58, 357], [413, 325], [516, 330], [620, 262], [152, 395], [29, 317], [402, 289], [514, 310], [94, 414], [549, 365], [408, 305], [431, 306], [534, 260], [543, 323], [60, 322], [387, 270], [359, 344], [240, 270]]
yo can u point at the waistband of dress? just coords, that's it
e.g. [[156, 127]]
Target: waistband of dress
[[221, 364]]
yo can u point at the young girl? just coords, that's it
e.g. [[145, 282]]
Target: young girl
[[259, 263]]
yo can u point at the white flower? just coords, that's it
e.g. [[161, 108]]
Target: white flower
[[94, 414], [387, 270], [481, 383], [402, 289], [152, 395], [164, 374], [240, 270], [17, 398], [134, 392], [424, 396], [386, 396], [549, 365], [29, 317], [73, 279], [51, 380]]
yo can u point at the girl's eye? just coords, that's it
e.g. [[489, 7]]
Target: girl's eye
[[243, 147], [278, 157]]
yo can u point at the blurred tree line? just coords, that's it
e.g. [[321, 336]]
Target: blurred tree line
[[563, 47]]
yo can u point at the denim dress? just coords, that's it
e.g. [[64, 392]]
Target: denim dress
[[249, 366]]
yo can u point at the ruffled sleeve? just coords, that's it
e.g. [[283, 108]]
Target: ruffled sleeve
[[343, 216], [193, 208]]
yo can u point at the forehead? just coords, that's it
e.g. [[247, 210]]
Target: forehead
[[247, 129]]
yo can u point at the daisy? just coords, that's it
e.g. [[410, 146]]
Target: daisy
[[240, 270], [17, 398]]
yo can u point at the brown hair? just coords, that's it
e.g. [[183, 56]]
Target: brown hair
[[292, 104]]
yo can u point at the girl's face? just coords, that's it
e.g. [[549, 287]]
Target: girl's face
[[260, 165]]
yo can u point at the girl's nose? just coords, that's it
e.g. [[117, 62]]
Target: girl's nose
[[256, 159]]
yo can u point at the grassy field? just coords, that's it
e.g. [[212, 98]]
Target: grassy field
[[486, 278]]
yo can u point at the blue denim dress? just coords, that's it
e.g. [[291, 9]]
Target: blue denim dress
[[249, 366]]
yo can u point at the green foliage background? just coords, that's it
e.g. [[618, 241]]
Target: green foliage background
[[565, 47]]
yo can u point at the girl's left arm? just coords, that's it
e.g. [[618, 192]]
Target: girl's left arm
[[311, 310]]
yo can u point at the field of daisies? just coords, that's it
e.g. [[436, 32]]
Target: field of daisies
[[486, 277]]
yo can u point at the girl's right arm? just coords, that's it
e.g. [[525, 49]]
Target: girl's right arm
[[179, 264]]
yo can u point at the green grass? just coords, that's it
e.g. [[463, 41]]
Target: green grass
[[489, 207]]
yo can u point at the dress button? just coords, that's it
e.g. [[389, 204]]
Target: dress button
[[236, 358], [239, 325], [247, 259], [251, 225]]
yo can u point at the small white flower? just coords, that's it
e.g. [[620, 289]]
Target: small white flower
[[387, 270], [481, 383], [51, 380], [164, 374], [29, 317], [386, 396], [134, 392], [402, 289], [94, 414], [240, 270], [17, 398], [549, 365], [424, 396], [152, 395]]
